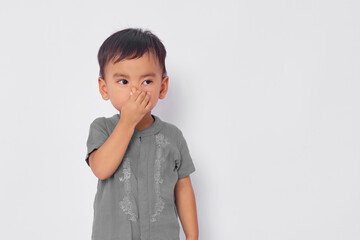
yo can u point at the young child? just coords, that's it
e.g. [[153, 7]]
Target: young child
[[142, 163]]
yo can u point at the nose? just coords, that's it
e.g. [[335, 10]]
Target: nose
[[133, 88]]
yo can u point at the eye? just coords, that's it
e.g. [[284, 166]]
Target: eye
[[149, 81], [122, 80]]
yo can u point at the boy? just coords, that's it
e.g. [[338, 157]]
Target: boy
[[142, 163]]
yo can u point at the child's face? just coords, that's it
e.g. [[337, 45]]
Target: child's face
[[127, 75]]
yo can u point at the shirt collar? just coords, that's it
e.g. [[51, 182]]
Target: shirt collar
[[152, 129]]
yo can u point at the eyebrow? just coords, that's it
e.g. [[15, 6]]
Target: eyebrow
[[142, 76]]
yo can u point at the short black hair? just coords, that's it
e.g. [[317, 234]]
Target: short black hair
[[131, 43]]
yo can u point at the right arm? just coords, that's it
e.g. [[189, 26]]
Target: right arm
[[106, 159]]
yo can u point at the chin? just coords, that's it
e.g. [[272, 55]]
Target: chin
[[117, 108]]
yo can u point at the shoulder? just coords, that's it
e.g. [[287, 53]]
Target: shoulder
[[172, 131], [99, 122], [105, 123], [169, 128]]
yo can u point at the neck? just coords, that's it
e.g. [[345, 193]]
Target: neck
[[145, 122]]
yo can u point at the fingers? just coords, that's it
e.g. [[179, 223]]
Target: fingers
[[140, 97], [134, 94], [146, 99], [148, 105]]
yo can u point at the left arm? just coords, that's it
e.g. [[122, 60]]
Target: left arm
[[186, 207]]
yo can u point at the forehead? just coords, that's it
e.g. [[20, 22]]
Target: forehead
[[147, 62]]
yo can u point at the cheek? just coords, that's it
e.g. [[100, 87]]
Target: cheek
[[154, 100], [120, 97], [147, 88]]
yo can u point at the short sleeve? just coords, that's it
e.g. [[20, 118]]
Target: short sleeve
[[186, 165], [97, 136]]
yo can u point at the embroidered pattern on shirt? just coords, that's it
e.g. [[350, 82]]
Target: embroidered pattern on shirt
[[161, 142], [126, 204]]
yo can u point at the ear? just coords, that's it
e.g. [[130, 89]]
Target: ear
[[102, 88], [164, 87]]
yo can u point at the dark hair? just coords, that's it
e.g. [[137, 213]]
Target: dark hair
[[131, 43]]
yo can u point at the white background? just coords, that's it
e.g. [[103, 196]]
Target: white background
[[265, 92]]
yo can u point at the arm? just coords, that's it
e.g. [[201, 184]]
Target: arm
[[105, 160], [186, 207]]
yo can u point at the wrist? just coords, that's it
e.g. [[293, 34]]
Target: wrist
[[125, 127], [126, 124]]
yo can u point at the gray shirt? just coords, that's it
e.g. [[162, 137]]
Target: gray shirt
[[138, 200]]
